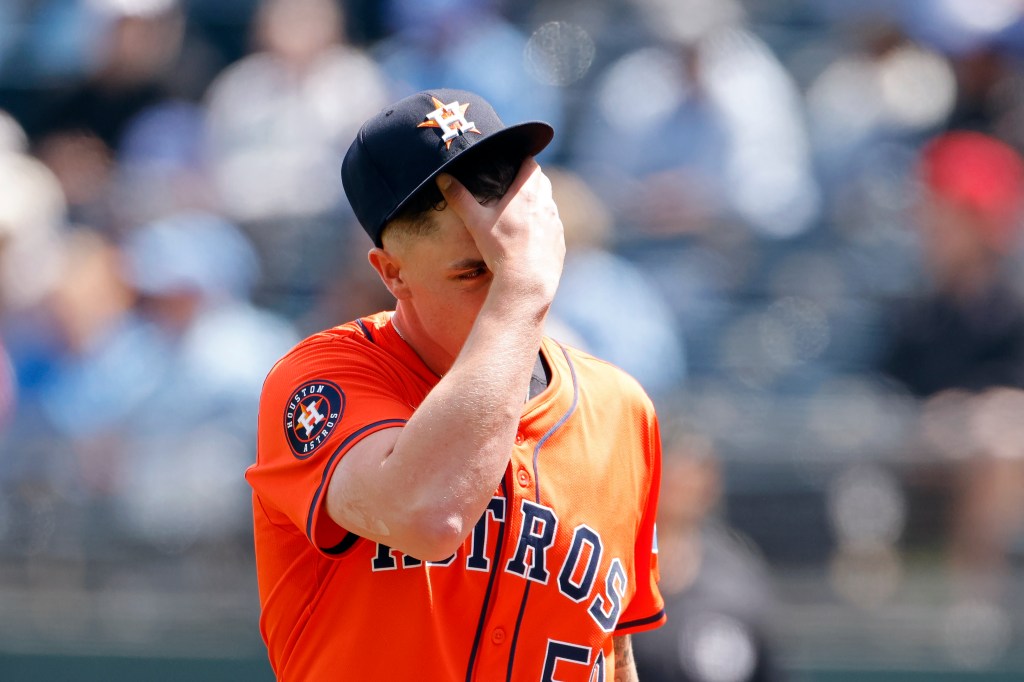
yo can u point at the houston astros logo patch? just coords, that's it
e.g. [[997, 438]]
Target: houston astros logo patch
[[311, 416], [451, 119]]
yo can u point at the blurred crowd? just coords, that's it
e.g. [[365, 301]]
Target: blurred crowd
[[795, 222]]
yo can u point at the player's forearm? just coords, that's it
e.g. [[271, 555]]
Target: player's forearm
[[625, 666], [454, 450]]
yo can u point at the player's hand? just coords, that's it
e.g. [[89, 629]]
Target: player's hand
[[520, 237]]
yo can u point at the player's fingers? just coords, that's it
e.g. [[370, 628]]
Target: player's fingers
[[528, 173], [459, 199]]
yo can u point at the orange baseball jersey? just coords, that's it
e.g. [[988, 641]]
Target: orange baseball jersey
[[563, 559]]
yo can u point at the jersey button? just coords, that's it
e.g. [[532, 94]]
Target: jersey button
[[520, 438], [523, 477], [498, 635]]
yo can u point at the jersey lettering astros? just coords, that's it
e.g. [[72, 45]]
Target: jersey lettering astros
[[563, 559]]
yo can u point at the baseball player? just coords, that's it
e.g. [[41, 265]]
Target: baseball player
[[440, 491]]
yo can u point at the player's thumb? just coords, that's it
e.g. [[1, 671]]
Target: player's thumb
[[458, 198]]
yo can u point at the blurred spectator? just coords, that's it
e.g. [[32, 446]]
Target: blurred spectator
[[54, 466], [194, 432], [137, 44], [83, 368], [33, 259], [704, 125], [965, 335], [967, 330], [161, 166], [696, 141], [279, 122], [153, 359], [717, 592], [885, 88], [280, 119], [96, 375], [608, 303]]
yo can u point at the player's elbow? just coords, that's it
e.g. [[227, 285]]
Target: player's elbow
[[421, 528], [436, 536]]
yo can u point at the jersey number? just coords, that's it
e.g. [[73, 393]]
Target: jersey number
[[571, 654]]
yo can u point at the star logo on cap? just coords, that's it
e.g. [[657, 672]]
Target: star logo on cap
[[450, 119]]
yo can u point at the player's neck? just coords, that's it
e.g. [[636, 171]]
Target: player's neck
[[436, 358]]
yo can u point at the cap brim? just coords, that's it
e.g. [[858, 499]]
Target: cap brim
[[517, 142]]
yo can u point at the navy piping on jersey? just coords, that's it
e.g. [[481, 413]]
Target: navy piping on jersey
[[342, 546], [490, 585], [515, 635], [536, 478], [557, 425], [640, 621], [323, 480], [366, 330]]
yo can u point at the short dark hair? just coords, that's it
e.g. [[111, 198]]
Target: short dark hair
[[486, 176]]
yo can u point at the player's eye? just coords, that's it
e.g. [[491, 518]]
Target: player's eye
[[472, 274]]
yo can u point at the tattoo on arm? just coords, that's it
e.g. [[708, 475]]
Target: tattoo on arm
[[625, 667]]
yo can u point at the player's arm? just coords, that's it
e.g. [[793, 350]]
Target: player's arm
[[625, 666], [420, 489]]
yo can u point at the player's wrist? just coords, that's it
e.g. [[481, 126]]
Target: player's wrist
[[521, 296]]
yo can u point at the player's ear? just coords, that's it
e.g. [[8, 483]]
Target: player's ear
[[389, 267]]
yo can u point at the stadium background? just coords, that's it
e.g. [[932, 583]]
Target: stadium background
[[737, 182]]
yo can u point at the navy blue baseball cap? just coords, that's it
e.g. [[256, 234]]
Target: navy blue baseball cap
[[406, 145]]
